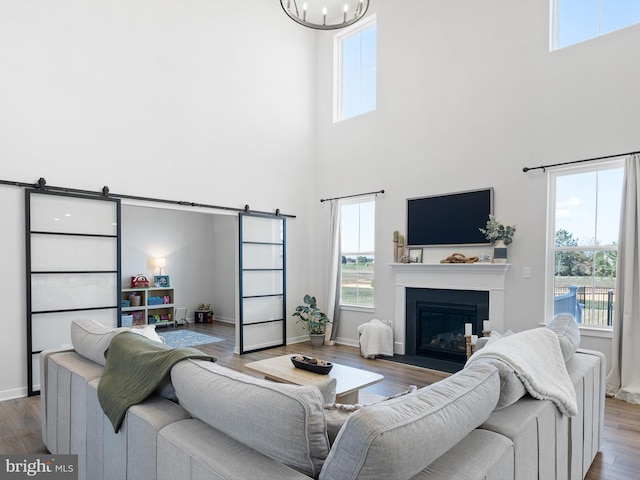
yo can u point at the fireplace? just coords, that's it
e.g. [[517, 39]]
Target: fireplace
[[482, 277], [435, 320]]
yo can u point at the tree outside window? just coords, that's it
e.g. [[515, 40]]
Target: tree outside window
[[585, 219]]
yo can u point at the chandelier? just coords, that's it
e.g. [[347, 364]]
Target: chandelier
[[325, 14]]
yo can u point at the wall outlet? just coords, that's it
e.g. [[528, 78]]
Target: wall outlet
[[526, 272]]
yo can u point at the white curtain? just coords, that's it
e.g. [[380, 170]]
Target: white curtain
[[623, 380], [333, 272]]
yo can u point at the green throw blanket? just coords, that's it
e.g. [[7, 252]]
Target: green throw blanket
[[135, 367]]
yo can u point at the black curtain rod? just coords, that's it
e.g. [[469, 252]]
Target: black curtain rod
[[351, 196], [41, 184], [544, 167]]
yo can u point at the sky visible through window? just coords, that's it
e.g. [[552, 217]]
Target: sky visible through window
[[357, 232], [579, 20], [588, 206], [359, 73]]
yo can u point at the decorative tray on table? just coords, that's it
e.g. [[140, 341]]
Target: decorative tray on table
[[312, 364]]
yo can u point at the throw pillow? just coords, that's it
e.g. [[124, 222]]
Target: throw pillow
[[148, 331], [91, 339], [405, 435], [568, 332], [328, 390], [282, 421]]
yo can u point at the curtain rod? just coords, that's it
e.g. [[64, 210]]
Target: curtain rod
[[41, 184], [351, 196], [544, 167]]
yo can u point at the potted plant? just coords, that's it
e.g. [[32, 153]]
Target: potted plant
[[500, 236], [312, 319]]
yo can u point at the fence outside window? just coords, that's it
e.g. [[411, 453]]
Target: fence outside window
[[595, 303]]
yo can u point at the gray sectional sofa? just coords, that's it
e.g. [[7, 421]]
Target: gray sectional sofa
[[228, 425]]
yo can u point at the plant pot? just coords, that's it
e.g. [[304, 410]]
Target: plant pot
[[317, 339], [499, 252]]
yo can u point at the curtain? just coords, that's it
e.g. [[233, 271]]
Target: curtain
[[333, 272], [623, 380]]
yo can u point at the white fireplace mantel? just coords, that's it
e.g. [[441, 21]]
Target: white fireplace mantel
[[485, 277]]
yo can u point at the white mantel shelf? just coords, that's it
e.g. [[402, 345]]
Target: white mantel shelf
[[489, 277], [478, 267]]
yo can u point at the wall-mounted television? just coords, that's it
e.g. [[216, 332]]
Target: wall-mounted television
[[451, 219]]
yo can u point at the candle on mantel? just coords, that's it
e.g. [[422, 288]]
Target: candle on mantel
[[474, 339], [468, 329], [486, 326]]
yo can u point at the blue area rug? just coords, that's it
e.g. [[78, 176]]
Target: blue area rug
[[187, 338]]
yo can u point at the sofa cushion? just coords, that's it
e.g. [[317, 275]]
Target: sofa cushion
[[398, 438], [91, 339], [282, 421], [568, 332]]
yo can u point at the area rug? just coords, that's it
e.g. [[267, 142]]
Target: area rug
[[187, 338]]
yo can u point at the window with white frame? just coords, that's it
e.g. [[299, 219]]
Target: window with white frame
[[584, 217], [357, 231], [573, 21], [355, 70]]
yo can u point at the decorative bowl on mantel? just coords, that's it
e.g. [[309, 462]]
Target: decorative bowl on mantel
[[312, 364]]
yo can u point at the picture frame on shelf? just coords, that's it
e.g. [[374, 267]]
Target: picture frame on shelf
[[415, 255], [161, 281]]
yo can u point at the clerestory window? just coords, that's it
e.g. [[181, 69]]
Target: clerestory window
[[573, 21], [355, 70]]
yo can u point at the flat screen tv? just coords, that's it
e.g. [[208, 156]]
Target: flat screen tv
[[452, 219]]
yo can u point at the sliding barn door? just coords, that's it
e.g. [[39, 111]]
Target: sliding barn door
[[262, 282], [72, 266]]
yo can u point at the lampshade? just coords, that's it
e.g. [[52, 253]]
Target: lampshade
[[325, 14], [159, 262]]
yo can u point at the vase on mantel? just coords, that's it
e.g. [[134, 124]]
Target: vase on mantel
[[499, 252]]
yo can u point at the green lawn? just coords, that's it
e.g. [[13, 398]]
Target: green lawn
[[357, 284]]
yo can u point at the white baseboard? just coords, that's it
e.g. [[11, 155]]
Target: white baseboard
[[15, 393], [224, 319]]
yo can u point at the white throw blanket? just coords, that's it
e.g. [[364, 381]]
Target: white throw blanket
[[376, 338], [536, 358]]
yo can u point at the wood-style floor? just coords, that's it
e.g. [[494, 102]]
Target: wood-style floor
[[619, 458]]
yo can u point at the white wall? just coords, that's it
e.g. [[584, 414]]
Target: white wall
[[225, 271], [203, 101], [468, 94]]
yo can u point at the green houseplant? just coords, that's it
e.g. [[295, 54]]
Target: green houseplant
[[496, 231], [312, 319], [500, 236]]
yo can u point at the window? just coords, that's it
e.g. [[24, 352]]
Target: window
[[574, 21], [355, 79], [584, 217], [357, 252]]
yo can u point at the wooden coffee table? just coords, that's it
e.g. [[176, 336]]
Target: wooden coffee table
[[349, 381]]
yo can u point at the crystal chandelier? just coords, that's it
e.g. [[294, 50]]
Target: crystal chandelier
[[325, 14]]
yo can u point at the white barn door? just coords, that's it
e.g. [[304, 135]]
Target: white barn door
[[262, 282]]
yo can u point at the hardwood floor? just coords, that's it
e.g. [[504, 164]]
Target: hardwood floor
[[619, 458]]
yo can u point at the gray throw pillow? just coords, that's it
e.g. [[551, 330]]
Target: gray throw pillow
[[404, 435], [91, 339], [568, 332]]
